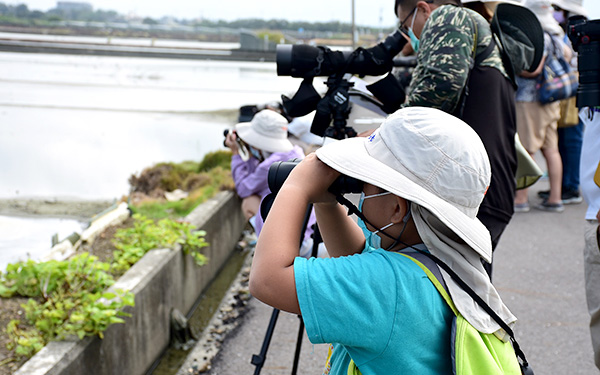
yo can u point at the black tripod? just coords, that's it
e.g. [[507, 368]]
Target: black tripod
[[258, 360]]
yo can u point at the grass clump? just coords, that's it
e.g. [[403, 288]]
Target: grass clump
[[200, 180]]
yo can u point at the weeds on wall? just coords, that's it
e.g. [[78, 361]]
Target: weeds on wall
[[69, 298]]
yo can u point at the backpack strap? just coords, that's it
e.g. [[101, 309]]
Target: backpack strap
[[524, 364], [488, 51], [478, 59], [434, 280]]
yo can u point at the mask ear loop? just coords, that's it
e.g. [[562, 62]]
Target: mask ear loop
[[352, 209], [405, 221]]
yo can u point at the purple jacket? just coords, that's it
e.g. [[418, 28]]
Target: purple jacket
[[250, 178]]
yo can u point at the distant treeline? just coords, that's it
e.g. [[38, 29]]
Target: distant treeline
[[21, 15], [274, 24]]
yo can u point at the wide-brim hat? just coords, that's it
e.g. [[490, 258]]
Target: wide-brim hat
[[545, 14], [571, 6], [428, 157], [521, 36], [266, 131]]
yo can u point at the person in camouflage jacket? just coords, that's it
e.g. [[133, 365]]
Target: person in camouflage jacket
[[447, 39]]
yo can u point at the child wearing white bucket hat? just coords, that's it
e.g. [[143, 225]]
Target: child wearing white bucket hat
[[267, 139], [425, 174]]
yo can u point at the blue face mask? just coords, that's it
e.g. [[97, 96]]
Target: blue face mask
[[372, 238], [256, 153], [414, 41]]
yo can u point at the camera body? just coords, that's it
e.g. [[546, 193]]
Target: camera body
[[243, 148], [585, 38], [308, 62], [279, 171]]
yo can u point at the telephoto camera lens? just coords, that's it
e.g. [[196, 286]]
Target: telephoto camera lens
[[303, 61]]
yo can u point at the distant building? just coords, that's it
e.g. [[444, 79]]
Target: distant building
[[71, 6]]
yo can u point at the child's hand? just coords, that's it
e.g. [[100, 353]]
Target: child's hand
[[313, 177]]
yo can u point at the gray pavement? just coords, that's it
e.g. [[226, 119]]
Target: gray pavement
[[538, 270]]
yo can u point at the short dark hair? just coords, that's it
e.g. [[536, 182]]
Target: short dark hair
[[413, 3]]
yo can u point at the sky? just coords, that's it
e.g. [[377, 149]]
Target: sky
[[368, 12]]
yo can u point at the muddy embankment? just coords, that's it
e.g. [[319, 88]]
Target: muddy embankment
[[54, 207]]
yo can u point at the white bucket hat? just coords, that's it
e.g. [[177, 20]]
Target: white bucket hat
[[545, 14], [428, 157], [266, 131], [572, 6]]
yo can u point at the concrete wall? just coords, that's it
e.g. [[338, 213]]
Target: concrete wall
[[163, 279]]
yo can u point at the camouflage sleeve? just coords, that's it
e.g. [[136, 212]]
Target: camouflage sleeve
[[444, 59]]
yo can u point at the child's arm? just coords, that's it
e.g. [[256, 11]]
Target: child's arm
[[272, 274], [340, 233]]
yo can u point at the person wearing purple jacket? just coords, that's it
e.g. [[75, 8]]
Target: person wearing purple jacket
[[266, 139]]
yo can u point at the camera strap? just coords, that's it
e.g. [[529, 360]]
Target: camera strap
[[525, 368]]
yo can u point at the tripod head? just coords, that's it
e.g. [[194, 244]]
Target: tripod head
[[334, 105]]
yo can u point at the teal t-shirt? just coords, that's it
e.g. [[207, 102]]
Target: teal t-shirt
[[379, 309]]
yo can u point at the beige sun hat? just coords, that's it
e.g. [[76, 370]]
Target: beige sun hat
[[545, 14], [572, 6], [266, 131], [428, 157]]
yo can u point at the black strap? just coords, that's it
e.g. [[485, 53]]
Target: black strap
[[480, 302], [525, 369], [465, 92], [484, 55]]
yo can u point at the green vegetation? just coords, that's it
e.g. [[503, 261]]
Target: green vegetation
[[272, 36], [66, 298], [145, 235], [70, 298], [21, 13], [201, 180]]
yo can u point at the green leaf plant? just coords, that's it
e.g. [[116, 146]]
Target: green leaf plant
[[69, 298], [145, 235]]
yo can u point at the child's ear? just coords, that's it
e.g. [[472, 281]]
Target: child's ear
[[400, 209]]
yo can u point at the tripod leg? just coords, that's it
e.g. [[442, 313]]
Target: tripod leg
[[258, 360], [298, 346]]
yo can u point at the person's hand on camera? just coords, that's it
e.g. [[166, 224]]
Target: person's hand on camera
[[231, 142], [312, 178]]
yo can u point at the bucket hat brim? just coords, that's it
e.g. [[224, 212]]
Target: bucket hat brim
[[245, 131], [521, 36], [351, 157]]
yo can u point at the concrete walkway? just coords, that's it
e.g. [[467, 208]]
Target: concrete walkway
[[538, 270]]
